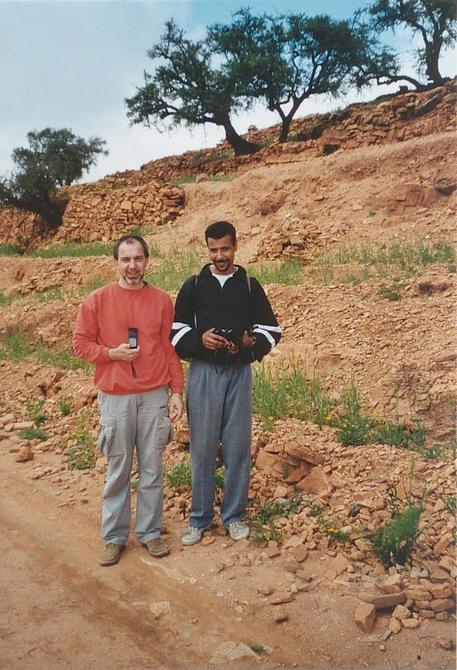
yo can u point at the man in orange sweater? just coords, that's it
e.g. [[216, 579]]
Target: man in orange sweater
[[123, 328]]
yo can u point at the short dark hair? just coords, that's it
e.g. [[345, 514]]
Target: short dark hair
[[129, 239], [220, 229]]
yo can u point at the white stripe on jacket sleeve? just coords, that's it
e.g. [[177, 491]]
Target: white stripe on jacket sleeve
[[180, 334]]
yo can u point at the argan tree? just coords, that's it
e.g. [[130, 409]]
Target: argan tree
[[434, 20], [284, 60], [188, 86], [54, 158]]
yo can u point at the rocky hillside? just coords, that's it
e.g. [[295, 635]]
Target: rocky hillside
[[352, 228]]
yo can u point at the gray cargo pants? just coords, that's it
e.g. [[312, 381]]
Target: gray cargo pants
[[137, 420]]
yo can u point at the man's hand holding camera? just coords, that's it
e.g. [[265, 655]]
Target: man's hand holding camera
[[213, 340], [123, 352]]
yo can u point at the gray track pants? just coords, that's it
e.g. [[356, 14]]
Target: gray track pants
[[220, 410], [137, 420]]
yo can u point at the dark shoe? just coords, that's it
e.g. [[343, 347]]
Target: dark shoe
[[157, 547], [111, 554]]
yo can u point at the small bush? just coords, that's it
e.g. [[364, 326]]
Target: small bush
[[393, 543]]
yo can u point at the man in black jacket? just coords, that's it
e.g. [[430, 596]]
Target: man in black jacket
[[224, 322]]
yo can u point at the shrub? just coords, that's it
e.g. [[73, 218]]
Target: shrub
[[393, 543]]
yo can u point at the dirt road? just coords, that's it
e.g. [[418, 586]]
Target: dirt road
[[60, 610]]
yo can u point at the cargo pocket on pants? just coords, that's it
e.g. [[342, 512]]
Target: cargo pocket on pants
[[164, 431], [105, 440]]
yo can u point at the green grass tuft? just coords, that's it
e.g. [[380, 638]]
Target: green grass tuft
[[174, 269], [289, 273], [369, 261]]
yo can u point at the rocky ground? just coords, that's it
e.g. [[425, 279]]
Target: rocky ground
[[306, 590]]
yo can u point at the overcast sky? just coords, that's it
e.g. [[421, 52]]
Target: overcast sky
[[71, 63]]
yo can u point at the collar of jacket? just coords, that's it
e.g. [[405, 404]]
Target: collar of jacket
[[239, 274]]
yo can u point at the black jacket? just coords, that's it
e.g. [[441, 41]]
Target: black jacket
[[241, 304]]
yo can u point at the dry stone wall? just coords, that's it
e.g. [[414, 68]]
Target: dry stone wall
[[412, 114], [105, 214], [18, 227]]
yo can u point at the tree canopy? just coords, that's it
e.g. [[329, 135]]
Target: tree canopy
[[434, 20], [281, 61], [188, 87], [54, 158], [284, 60]]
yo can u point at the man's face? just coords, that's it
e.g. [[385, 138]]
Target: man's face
[[131, 265], [222, 254]]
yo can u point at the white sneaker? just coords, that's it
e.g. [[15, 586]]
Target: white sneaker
[[238, 530], [191, 535]]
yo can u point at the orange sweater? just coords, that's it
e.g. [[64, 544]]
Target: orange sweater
[[102, 323]]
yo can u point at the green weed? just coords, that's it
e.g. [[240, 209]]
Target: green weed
[[16, 346], [6, 299], [184, 179], [9, 250], [35, 411], [65, 405], [369, 261], [50, 294], [81, 455], [284, 272], [393, 542], [392, 291], [330, 527], [398, 435], [74, 249], [257, 648], [263, 524], [33, 434], [180, 475], [451, 504], [289, 393], [174, 269], [354, 427]]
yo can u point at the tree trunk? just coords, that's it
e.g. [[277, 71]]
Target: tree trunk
[[240, 145], [285, 128], [432, 55]]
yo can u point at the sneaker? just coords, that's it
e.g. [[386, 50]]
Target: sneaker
[[111, 554], [157, 547], [192, 535], [238, 530]]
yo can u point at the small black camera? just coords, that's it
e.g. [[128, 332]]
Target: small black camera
[[233, 335], [133, 338]]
